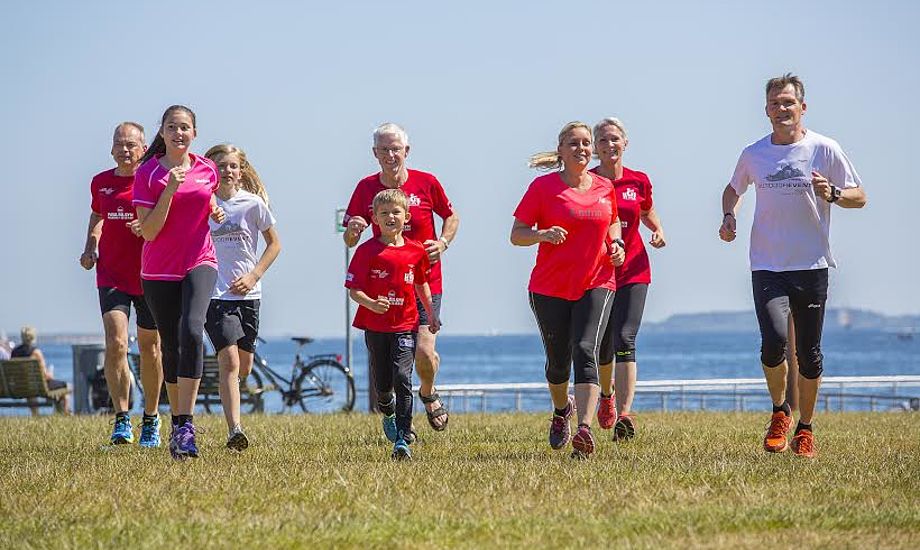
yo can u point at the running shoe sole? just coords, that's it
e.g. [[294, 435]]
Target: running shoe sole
[[583, 442], [238, 442]]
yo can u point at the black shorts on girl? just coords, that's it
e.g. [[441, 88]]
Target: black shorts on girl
[[112, 299], [233, 322]]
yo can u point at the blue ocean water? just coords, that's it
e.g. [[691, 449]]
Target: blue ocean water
[[661, 356]]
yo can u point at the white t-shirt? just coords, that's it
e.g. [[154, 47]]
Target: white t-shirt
[[791, 229], [236, 241]]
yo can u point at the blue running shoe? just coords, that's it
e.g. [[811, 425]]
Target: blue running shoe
[[401, 449], [182, 443], [122, 431], [150, 432], [389, 427]]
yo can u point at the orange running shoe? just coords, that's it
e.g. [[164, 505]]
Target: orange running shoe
[[606, 412], [803, 444], [775, 440]]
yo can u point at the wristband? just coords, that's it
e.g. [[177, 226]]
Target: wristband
[[446, 242], [621, 243], [729, 214]]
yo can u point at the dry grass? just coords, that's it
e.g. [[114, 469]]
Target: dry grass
[[690, 479]]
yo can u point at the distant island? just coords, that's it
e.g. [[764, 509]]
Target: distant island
[[837, 319]]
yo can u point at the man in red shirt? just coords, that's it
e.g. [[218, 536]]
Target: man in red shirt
[[426, 198], [118, 277]]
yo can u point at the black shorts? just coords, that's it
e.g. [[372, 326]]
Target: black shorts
[[112, 299], [422, 314], [56, 384], [233, 322]]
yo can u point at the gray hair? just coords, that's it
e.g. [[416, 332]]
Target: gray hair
[[390, 129], [610, 121], [129, 124]]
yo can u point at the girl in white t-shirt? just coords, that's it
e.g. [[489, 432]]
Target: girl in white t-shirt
[[233, 316]]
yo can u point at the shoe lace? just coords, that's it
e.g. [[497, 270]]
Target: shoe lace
[[559, 423], [777, 427], [804, 441]]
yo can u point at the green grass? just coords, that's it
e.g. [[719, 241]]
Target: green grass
[[689, 479]]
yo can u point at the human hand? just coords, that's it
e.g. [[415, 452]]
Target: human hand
[[822, 187], [380, 305], [658, 240], [553, 235], [434, 248], [727, 231], [218, 214], [243, 284], [176, 178], [356, 225], [434, 324], [617, 254], [88, 260], [134, 226]]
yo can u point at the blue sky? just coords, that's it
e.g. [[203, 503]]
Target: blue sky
[[479, 86]]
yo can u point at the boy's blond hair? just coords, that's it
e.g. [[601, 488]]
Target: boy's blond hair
[[391, 196]]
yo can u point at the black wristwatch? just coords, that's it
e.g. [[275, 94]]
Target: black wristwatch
[[621, 243], [835, 193]]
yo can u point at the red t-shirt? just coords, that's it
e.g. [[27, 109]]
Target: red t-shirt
[[184, 242], [633, 194], [582, 262], [119, 264], [390, 272], [426, 198]]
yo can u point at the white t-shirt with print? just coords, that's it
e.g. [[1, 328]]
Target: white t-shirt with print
[[236, 241], [791, 229]]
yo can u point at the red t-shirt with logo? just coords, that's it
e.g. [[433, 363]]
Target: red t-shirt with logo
[[119, 264], [390, 272], [582, 261], [633, 192], [184, 242], [426, 198]]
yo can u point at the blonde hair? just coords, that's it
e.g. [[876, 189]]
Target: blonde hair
[[390, 129], [550, 160], [28, 334], [249, 178], [610, 121], [391, 196]]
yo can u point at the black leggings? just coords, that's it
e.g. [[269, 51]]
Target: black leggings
[[179, 309], [391, 356], [804, 294], [625, 318], [572, 332]]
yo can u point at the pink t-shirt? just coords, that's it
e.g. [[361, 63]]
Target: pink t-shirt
[[119, 264], [426, 198], [582, 262], [633, 192], [184, 242]]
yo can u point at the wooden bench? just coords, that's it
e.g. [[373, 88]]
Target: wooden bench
[[23, 384], [251, 393]]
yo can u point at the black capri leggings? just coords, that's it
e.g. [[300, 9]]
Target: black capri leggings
[[625, 318], [179, 309], [572, 332], [804, 294]]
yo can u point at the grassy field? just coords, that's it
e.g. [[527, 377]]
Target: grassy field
[[689, 479]]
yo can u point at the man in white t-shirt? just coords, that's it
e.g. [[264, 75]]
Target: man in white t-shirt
[[798, 176]]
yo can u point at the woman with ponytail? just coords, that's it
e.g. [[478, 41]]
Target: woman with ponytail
[[571, 213], [174, 196], [233, 316]]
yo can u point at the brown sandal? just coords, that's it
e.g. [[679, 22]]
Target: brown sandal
[[437, 413]]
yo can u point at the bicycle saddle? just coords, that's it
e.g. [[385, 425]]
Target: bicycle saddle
[[302, 340]]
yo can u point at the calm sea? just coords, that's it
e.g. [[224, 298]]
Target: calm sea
[[662, 356]]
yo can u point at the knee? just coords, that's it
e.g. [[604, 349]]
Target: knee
[[585, 352], [116, 345], [426, 356], [773, 351], [557, 373], [811, 362], [586, 374]]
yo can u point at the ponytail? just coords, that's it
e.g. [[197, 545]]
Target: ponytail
[[156, 149], [550, 160]]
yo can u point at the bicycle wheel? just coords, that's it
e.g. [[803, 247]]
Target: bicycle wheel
[[252, 393], [325, 386]]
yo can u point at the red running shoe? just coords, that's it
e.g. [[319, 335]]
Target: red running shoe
[[775, 439], [606, 412], [625, 428], [803, 444], [583, 442]]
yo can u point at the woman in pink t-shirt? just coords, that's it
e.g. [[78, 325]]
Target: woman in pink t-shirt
[[572, 215], [174, 196], [633, 192]]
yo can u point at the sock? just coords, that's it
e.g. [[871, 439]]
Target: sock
[[585, 426], [787, 410], [150, 416], [561, 412], [606, 395], [174, 420], [184, 418], [122, 416], [801, 426]]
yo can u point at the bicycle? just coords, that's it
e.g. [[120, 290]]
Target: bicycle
[[318, 383]]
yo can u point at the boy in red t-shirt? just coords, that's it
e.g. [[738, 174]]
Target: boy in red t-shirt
[[384, 278]]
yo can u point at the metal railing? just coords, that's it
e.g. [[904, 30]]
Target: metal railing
[[738, 394]]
